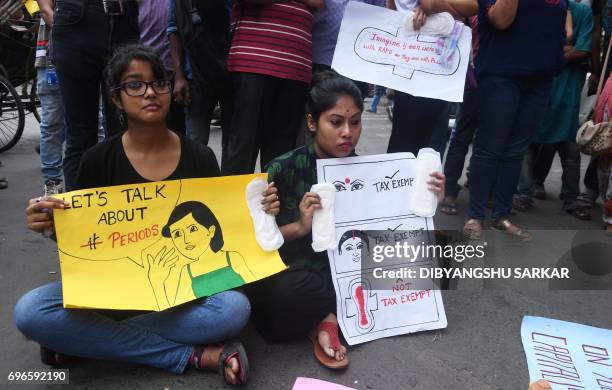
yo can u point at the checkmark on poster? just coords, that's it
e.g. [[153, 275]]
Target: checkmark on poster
[[392, 176], [392, 230]]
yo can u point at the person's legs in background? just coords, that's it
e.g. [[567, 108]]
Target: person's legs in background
[[282, 118], [459, 143], [499, 100], [534, 95], [251, 96], [591, 184], [439, 134], [523, 200], [52, 131], [80, 51], [543, 159], [378, 93], [414, 121], [570, 179]]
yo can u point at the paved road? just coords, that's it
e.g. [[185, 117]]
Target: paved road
[[480, 349]]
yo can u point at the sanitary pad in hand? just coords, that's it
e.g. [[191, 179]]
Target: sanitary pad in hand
[[267, 233], [323, 222]]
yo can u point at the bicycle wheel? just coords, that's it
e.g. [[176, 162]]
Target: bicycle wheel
[[12, 116]]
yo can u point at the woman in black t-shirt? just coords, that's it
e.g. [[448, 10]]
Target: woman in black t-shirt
[[146, 151]]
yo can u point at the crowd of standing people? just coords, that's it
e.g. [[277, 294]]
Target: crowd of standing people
[[155, 70]]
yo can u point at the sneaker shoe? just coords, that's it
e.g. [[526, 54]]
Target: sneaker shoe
[[53, 187], [370, 110]]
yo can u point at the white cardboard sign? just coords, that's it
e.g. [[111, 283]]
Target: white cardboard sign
[[373, 193], [373, 46]]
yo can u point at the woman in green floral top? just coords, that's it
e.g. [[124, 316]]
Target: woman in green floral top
[[302, 301]]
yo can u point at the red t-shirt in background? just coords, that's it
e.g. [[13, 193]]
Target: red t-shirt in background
[[272, 39]]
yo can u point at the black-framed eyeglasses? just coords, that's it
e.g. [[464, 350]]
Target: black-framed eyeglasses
[[137, 88]]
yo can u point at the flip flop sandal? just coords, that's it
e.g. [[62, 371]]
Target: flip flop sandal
[[332, 330], [449, 208], [3, 184], [234, 349]]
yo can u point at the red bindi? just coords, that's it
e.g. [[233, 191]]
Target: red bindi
[[347, 180]]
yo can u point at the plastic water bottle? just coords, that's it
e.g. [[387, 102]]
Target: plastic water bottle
[[424, 201]]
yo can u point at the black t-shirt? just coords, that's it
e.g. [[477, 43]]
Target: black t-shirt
[[106, 164]]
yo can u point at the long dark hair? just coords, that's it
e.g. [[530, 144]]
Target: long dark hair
[[202, 214]]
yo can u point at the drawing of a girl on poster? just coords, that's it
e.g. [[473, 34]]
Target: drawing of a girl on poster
[[197, 266]]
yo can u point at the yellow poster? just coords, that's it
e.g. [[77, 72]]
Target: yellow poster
[[156, 245]]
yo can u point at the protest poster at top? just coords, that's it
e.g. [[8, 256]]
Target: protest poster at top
[[151, 246], [375, 46], [373, 195], [566, 354]]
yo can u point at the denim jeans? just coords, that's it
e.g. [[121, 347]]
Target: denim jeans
[[510, 111], [378, 93], [82, 38], [159, 339], [52, 126], [460, 139]]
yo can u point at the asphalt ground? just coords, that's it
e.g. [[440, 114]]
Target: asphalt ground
[[480, 349]]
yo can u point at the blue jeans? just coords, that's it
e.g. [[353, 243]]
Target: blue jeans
[[52, 127], [378, 93], [159, 339], [510, 111], [460, 139]]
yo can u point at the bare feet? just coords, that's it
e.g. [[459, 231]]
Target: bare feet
[[326, 340]]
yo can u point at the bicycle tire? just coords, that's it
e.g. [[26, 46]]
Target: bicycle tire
[[12, 116]]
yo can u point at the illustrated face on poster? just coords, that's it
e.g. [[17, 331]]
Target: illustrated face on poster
[[156, 245], [351, 243]]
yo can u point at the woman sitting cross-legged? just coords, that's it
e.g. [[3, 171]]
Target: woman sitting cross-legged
[[191, 334], [301, 301]]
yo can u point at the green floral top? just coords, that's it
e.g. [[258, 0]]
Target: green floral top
[[294, 173]]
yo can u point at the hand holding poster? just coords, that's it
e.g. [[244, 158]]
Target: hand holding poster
[[567, 355], [151, 246], [375, 46]]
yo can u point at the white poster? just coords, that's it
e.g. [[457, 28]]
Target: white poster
[[373, 195], [374, 46], [566, 354]]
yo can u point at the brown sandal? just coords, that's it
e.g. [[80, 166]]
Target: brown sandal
[[332, 330], [473, 229], [512, 229]]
